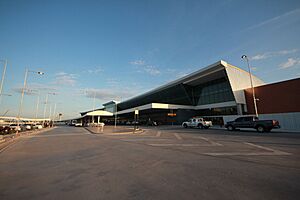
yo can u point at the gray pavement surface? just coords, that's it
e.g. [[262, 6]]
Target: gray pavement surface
[[112, 130], [160, 163]]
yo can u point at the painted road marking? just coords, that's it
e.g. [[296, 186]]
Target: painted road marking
[[246, 154], [177, 136], [271, 152], [54, 135], [277, 152], [208, 140], [180, 145], [145, 139], [158, 134]]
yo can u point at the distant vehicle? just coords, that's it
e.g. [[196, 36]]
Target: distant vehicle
[[27, 126], [5, 129], [252, 122], [15, 127], [197, 122], [37, 126]]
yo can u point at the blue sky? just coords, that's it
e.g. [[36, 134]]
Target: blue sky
[[118, 49]]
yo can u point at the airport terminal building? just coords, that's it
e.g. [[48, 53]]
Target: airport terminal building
[[219, 92], [213, 91]]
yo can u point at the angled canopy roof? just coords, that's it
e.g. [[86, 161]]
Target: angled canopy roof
[[205, 74], [238, 79]]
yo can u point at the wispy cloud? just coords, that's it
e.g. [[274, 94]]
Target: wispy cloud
[[34, 89], [152, 70], [179, 73], [137, 62], [27, 91], [291, 62], [112, 82], [108, 94], [42, 87], [65, 79], [272, 54], [95, 70], [142, 67], [275, 19]]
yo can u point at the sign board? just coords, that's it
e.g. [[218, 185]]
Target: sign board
[[136, 112]]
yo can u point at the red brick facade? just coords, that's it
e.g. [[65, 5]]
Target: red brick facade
[[281, 97]]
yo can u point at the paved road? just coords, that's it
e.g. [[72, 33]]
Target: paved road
[[161, 163]]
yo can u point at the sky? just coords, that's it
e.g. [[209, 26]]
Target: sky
[[94, 51]]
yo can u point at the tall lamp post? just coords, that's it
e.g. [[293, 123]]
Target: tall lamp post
[[3, 76], [37, 105], [23, 91], [46, 102], [244, 57], [116, 110]]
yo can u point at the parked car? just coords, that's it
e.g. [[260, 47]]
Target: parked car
[[197, 122], [37, 126], [15, 127], [27, 126], [5, 129], [252, 122]]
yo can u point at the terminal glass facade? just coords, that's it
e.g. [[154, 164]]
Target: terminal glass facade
[[216, 91], [211, 92]]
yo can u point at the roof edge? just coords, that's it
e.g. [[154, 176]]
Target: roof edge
[[172, 83]]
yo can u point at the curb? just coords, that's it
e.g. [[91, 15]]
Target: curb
[[119, 133], [9, 139]]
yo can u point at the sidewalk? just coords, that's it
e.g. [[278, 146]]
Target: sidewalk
[[111, 130]]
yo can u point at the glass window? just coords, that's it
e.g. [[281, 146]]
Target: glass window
[[240, 119]]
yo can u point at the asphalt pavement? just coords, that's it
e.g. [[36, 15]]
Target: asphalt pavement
[[159, 163]]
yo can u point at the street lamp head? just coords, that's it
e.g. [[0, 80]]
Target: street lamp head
[[244, 57]]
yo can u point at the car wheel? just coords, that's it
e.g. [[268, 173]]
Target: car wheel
[[185, 126], [200, 126], [230, 128], [260, 129], [206, 127]]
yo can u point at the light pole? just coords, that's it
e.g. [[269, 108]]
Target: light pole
[[23, 90], [116, 111], [54, 113], [46, 102], [94, 107], [37, 105], [244, 57], [3, 76]]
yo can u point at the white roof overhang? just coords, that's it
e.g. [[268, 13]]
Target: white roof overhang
[[156, 106], [176, 106], [99, 113]]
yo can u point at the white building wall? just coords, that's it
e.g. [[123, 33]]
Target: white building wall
[[239, 80], [287, 121]]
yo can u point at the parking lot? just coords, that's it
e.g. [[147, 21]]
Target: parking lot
[[166, 162], [221, 143]]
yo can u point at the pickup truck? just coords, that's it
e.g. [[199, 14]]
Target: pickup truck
[[252, 122], [197, 122]]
